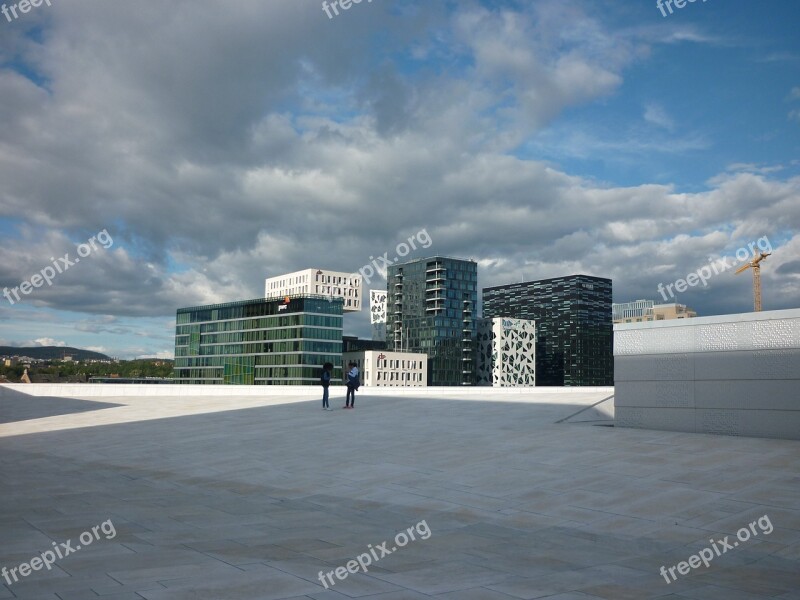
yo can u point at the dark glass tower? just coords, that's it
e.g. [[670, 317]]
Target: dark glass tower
[[573, 323], [259, 342], [431, 308]]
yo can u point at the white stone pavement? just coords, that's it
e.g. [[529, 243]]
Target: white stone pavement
[[250, 497]]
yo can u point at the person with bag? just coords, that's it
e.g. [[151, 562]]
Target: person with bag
[[353, 384], [325, 380]]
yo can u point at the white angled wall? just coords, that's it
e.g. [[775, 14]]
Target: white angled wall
[[731, 374]]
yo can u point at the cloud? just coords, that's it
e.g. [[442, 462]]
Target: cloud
[[754, 168], [46, 342], [100, 349], [791, 268], [167, 354], [656, 115], [219, 146]]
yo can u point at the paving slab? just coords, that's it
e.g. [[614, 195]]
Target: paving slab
[[253, 497]]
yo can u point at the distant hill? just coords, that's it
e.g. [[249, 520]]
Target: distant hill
[[52, 352]]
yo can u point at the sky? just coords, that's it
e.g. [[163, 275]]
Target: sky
[[158, 155]]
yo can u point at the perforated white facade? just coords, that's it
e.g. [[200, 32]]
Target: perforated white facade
[[506, 352], [377, 314]]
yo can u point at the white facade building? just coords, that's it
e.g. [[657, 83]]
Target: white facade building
[[381, 368], [506, 352], [377, 314], [319, 282]]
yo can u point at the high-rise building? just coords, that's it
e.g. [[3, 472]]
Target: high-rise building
[[259, 342], [642, 311], [506, 352], [431, 310], [377, 314], [573, 325], [332, 284]]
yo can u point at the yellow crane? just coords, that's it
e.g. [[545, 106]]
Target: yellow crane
[[755, 264]]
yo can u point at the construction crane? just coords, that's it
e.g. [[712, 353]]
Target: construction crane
[[755, 264]]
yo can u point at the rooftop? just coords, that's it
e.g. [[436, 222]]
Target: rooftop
[[574, 277], [251, 496]]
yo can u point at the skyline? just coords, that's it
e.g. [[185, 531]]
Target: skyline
[[221, 146]]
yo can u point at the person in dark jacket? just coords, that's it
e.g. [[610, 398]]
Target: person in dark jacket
[[353, 384], [325, 380]]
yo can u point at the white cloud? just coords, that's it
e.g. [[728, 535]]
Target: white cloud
[[240, 143], [657, 115], [160, 354], [46, 342], [100, 349]]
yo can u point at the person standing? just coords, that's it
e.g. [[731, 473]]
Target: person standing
[[325, 380], [352, 385]]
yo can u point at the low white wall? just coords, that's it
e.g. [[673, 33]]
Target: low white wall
[[108, 390], [732, 374]]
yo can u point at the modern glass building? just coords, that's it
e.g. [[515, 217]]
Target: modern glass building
[[573, 325], [259, 342], [431, 307]]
